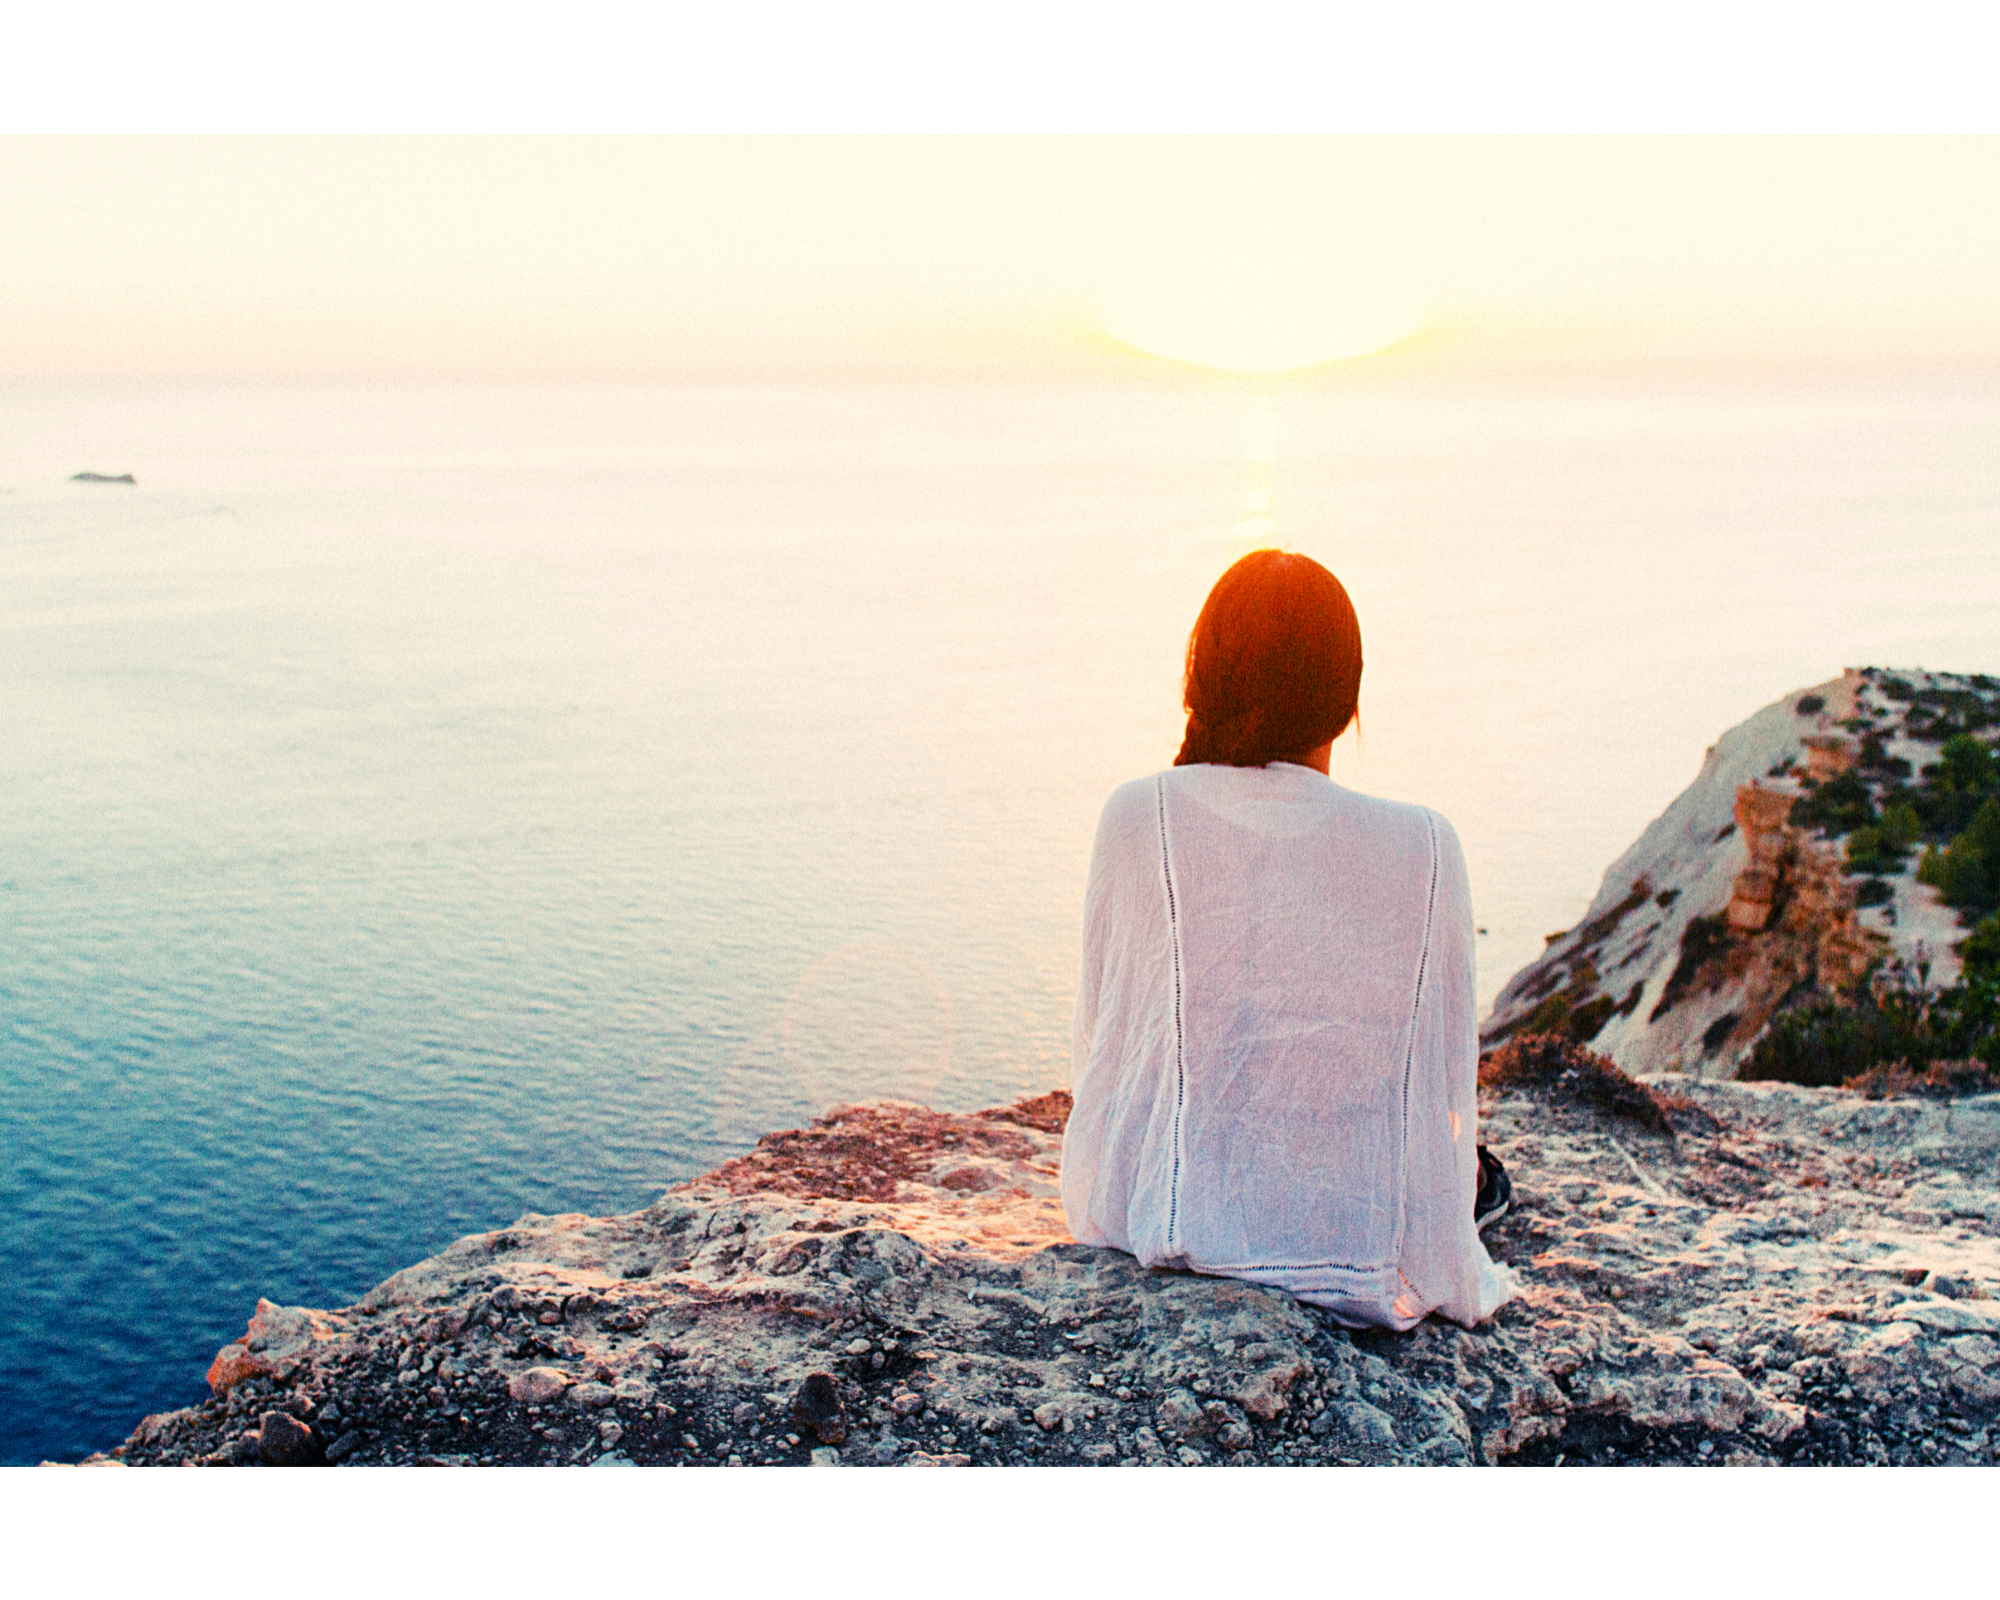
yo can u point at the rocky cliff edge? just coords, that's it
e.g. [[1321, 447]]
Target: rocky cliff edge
[[1740, 1274]]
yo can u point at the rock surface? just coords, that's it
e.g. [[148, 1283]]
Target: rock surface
[[1744, 1274]]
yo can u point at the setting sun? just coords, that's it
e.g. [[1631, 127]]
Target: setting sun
[[1258, 315]]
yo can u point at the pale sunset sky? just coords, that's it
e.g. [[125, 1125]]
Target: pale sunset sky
[[669, 257]]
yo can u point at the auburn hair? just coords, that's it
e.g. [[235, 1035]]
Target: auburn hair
[[1273, 664]]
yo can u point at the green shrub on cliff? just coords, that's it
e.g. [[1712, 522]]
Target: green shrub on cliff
[[1966, 767], [1869, 850], [1943, 713], [1824, 1045], [1832, 1042], [1966, 872], [1901, 825], [1981, 952], [1874, 757], [1839, 805], [1956, 787], [1880, 846]]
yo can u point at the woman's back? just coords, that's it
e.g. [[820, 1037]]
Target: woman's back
[[1276, 1053]]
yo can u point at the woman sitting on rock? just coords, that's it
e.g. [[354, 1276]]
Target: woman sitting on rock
[[1276, 1051]]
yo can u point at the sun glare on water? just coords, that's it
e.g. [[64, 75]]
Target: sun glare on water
[[1257, 316]]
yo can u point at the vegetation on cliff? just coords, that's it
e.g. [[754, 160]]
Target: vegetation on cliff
[[1822, 903], [1894, 1033]]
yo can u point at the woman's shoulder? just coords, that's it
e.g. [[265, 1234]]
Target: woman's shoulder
[[1132, 805], [1426, 829], [1282, 781], [1409, 814]]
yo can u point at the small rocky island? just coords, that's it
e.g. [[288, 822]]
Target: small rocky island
[[1712, 1271]]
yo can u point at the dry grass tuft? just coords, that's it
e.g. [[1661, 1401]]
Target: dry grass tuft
[[1941, 1080], [1552, 1067]]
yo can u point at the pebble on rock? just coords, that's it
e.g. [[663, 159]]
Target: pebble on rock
[[284, 1441], [537, 1384], [819, 1410], [1370, 1423], [342, 1448]]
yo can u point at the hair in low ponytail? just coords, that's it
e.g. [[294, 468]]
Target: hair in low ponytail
[[1273, 663]]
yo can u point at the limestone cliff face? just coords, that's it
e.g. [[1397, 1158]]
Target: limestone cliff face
[[1723, 911]]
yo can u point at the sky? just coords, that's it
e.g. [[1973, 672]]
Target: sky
[[678, 256]]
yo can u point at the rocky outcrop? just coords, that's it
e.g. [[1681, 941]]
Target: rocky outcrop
[[279, 1340], [1725, 910], [1828, 755], [1742, 1275], [1769, 850]]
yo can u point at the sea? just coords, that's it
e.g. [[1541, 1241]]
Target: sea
[[425, 804]]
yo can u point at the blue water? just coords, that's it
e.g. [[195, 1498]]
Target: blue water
[[419, 806]]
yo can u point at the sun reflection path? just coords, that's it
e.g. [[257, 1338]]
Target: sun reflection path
[[1258, 521]]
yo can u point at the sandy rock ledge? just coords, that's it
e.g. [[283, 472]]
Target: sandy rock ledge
[[1773, 1275]]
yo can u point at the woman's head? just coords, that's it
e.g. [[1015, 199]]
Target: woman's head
[[1273, 664]]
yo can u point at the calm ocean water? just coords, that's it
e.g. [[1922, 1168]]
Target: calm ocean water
[[419, 806]]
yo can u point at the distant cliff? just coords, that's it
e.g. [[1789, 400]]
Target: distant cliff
[[1785, 873]]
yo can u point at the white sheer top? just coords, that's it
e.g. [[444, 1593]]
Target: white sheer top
[[1276, 1052]]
